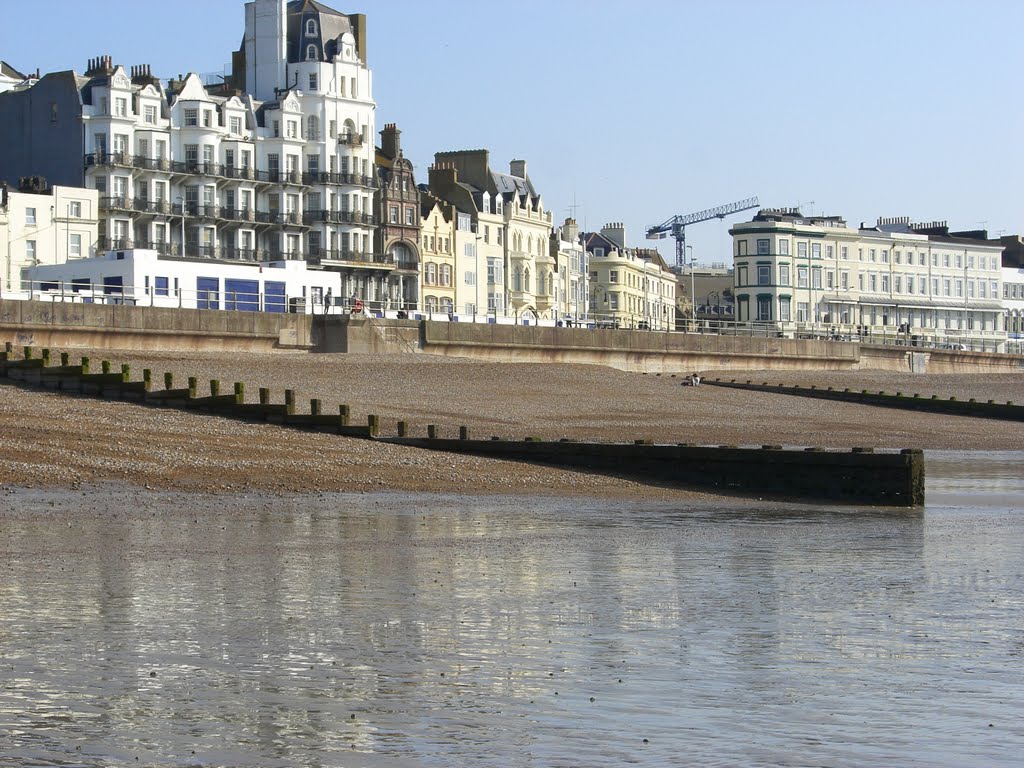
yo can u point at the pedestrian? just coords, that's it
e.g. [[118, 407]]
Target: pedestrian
[[327, 302]]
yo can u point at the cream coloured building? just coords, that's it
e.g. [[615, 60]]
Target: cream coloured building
[[629, 287], [47, 226], [437, 248], [820, 275]]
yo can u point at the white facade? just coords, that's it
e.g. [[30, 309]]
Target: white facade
[[284, 171], [572, 271], [801, 273], [1013, 307], [50, 228], [143, 278]]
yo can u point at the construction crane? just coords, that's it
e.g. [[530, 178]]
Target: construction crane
[[676, 226]]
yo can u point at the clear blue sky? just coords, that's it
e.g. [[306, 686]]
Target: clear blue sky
[[644, 109]]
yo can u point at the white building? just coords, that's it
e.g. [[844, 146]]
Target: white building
[[144, 278], [46, 226], [819, 275], [572, 269], [275, 163]]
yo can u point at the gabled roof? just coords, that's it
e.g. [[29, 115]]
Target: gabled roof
[[8, 71]]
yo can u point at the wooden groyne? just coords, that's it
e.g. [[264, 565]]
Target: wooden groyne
[[860, 476], [915, 401]]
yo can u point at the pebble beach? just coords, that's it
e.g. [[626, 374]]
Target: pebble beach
[[53, 440]]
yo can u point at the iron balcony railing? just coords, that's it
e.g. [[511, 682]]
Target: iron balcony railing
[[338, 217], [350, 179]]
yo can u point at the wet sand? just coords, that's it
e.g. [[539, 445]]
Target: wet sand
[[52, 440]]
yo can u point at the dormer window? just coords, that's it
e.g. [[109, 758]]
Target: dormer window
[[311, 27], [311, 53]]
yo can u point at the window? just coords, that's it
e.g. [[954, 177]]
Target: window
[[873, 254], [161, 286], [763, 247], [121, 107], [75, 245], [30, 250], [885, 283], [409, 216], [741, 247], [945, 259], [446, 274], [844, 253], [828, 252], [394, 214], [235, 125], [784, 247], [801, 277], [801, 250], [885, 256], [310, 53], [764, 308], [431, 274], [312, 128], [764, 274], [293, 129], [784, 274], [470, 278], [784, 309], [816, 278], [947, 286], [207, 118], [191, 117], [815, 250], [310, 27], [613, 276], [149, 115], [75, 209], [802, 311], [30, 216], [844, 280], [313, 81]]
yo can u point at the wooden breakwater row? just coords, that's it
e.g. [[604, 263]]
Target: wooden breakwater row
[[860, 476], [990, 409]]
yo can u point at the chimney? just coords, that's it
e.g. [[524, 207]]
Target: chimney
[[616, 232], [570, 230], [518, 168], [390, 141]]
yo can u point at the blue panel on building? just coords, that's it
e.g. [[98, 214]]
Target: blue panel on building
[[207, 292], [242, 295], [274, 296]]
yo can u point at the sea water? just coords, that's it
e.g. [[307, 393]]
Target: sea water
[[395, 630]]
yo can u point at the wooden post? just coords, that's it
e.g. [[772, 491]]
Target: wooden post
[[27, 351], [105, 366], [126, 372], [373, 423], [315, 406], [403, 428], [214, 387], [239, 392], [147, 379], [431, 431], [289, 401], [65, 359], [344, 414], [193, 385], [46, 357], [264, 396], [463, 433], [168, 380], [85, 365]]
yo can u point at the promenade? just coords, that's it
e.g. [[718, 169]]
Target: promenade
[[56, 440]]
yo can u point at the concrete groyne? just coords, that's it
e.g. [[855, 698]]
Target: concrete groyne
[[859, 476]]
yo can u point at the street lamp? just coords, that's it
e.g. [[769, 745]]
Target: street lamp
[[693, 297]]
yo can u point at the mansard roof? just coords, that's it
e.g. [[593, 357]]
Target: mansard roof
[[331, 25]]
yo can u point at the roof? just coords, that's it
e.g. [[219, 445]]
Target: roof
[[8, 71]]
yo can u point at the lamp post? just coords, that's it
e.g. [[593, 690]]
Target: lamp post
[[693, 297]]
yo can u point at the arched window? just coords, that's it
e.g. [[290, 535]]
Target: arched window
[[446, 274], [311, 53], [311, 27], [312, 128], [526, 279], [431, 278], [517, 279]]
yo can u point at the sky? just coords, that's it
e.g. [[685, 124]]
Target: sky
[[639, 111]]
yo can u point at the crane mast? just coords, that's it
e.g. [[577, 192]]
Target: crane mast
[[676, 226]]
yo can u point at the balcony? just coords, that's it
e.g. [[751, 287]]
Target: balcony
[[340, 179], [241, 254], [350, 139], [380, 260], [338, 217]]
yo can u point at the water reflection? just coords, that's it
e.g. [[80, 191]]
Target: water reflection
[[389, 630]]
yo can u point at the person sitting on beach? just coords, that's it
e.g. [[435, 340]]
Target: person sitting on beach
[[694, 379]]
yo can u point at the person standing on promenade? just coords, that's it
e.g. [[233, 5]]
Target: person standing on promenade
[[327, 302]]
